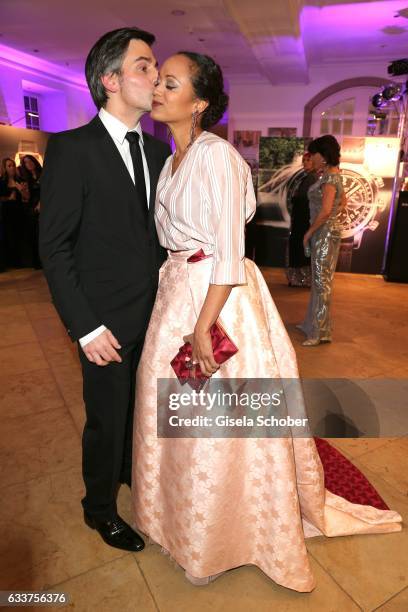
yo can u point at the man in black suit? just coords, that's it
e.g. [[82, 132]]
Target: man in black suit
[[101, 257]]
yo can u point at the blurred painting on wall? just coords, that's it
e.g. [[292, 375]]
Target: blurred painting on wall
[[368, 166], [282, 132], [280, 162]]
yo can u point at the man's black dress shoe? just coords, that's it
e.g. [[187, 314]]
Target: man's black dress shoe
[[116, 533]]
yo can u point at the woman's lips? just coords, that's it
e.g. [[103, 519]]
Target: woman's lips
[[156, 103]]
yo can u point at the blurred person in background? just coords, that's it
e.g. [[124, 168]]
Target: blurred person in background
[[326, 200], [30, 171], [298, 270], [12, 190]]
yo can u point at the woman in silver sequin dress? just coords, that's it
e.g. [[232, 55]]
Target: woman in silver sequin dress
[[326, 198]]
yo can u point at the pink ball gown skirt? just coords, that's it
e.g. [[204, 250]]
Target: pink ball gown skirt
[[217, 504]]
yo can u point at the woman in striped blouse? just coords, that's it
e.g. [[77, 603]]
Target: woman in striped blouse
[[216, 502]]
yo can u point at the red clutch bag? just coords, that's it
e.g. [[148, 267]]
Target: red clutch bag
[[223, 349]]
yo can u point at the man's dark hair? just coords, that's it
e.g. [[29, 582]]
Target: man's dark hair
[[106, 57]]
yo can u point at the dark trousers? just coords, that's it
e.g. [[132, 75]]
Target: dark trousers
[[109, 395], [2, 248], [30, 231]]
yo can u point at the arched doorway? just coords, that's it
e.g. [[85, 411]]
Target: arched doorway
[[344, 109]]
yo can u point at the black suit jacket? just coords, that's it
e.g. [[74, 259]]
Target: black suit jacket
[[99, 249]]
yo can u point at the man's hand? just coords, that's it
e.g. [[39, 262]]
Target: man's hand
[[101, 350]]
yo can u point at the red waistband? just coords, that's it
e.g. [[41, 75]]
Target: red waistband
[[198, 256]]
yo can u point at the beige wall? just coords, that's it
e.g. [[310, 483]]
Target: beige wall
[[13, 139]]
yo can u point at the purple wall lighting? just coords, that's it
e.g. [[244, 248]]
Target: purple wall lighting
[[63, 97]]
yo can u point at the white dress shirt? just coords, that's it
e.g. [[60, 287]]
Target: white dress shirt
[[118, 130]]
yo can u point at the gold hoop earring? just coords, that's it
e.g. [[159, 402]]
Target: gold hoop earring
[[194, 118]]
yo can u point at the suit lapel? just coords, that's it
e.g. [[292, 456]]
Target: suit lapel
[[118, 169], [114, 158]]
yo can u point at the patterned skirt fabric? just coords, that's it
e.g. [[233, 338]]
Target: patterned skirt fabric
[[215, 504]]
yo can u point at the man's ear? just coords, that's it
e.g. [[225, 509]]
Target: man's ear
[[110, 82]]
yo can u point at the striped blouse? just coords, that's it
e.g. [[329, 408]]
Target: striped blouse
[[205, 205]]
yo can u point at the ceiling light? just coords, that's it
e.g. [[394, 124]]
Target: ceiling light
[[398, 67], [378, 100], [392, 92]]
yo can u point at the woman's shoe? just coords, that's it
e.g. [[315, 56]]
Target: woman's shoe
[[316, 341], [202, 581], [311, 342]]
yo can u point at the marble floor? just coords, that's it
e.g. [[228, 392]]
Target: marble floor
[[44, 543]]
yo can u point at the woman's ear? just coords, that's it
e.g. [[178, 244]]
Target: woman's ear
[[202, 105]]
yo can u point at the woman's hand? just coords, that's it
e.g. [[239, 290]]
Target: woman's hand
[[202, 353], [306, 239]]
